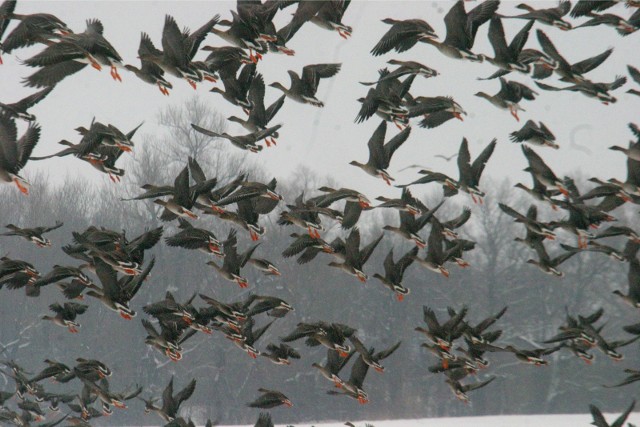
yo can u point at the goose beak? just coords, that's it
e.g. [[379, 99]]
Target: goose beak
[[124, 148]]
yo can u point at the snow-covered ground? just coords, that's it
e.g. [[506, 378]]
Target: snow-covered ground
[[573, 420]]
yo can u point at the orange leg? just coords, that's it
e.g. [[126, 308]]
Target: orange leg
[[24, 190], [115, 74], [514, 113]]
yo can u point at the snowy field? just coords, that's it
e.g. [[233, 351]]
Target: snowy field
[[573, 420]]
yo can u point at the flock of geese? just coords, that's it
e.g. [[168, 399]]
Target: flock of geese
[[458, 343]]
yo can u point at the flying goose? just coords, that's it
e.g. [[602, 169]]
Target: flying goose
[[380, 153]]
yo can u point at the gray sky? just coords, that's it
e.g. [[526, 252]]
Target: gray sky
[[327, 139]]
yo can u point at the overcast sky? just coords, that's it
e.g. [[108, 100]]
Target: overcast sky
[[327, 139]]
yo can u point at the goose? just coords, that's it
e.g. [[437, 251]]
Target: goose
[[178, 50], [265, 266], [335, 363], [587, 7], [330, 16], [436, 110], [236, 89], [632, 377], [241, 35], [462, 28], [329, 335], [273, 306], [436, 256], [597, 247], [590, 89], [250, 190], [260, 16], [547, 264], [182, 200], [259, 117], [14, 152], [96, 44], [536, 134], [168, 308], [448, 227], [403, 35], [302, 215], [244, 142], [550, 16], [116, 294], [632, 297], [369, 357], [171, 402], [616, 230], [66, 315], [509, 96], [353, 386], [19, 109], [410, 225], [542, 173], [327, 15], [393, 272], [280, 354], [623, 26], [110, 136], [532, 356], [507, 57], [355, 257], [59, 272], [385, 100], [34, 235], [149, 71], [530, 221], [380, 153], [311, 247], [195, 238], [225, 60], [460, 390], [248, 337], [32, 28], [109, 398], [541, 65], [572, 73], [599, 420], [405, 68], [56, 370], [270, 399], [303, 89], [233, 262], [635, 75], [406, 203], [470, 173]]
